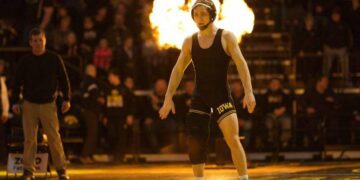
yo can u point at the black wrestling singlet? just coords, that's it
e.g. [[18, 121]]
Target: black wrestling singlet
[[210, 66]]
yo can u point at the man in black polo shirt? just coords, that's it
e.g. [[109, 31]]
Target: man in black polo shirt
[[40, 74]]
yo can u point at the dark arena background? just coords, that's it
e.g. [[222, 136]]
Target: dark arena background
[[304, 60]]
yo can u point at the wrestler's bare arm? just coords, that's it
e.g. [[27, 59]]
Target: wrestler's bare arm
[[239, 60], [233, 49], [179, 68], [175, 78]]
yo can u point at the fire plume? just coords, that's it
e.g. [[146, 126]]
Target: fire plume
[[171, 21]]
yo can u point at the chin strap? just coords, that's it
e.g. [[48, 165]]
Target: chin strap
[[205, 26]]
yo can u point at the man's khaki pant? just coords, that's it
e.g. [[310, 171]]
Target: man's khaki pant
[[47, 115]]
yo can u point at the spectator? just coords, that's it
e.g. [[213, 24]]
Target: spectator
[[70, 48], [129, 83], [116, 34], [9, 11], [158, 135], [353, 20], [129, 86], [119, 116], [318, 104], [121, 8], [59, 34], [132, 130], [88, 38], [277, 108], [92, 6], [8, 34], [308, 47], [102, 57], [354, 23], [61, 12], [150, 54], [70, 51], [320, 18], [337, 40], [127, 60], [295, 12], [137, 17], [91, 101], [37, 14], [76, 9], [102, 20]]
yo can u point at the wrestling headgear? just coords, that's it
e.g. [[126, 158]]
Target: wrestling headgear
[[209, 5]]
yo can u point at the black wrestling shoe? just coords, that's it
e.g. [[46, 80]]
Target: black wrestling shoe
[[62, 174]]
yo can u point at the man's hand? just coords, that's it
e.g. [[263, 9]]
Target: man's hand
[[16, 108], [165, 109], [65, 106], [249, 102]]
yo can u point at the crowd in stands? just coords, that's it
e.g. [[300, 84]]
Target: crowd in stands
[[325, 31], [110, 54]]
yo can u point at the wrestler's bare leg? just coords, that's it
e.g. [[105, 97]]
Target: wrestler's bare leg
[[230, 129]]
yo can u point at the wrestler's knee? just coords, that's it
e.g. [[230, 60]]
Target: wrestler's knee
[[198, 131], [233, 141]]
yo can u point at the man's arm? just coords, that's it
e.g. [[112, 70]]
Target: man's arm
[[179, 68], [243, 70], [239, 60], [175, 78], [63, 79]]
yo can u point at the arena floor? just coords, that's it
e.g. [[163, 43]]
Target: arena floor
[[293, 170]]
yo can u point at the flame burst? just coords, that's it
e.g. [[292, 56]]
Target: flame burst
[[171, 21]]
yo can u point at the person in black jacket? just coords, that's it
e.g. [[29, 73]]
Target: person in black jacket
[[91, 101], [277, 107], [40, 74], [117, 114], [308, 49], [319, 105], [337, 41], [132, 125]]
